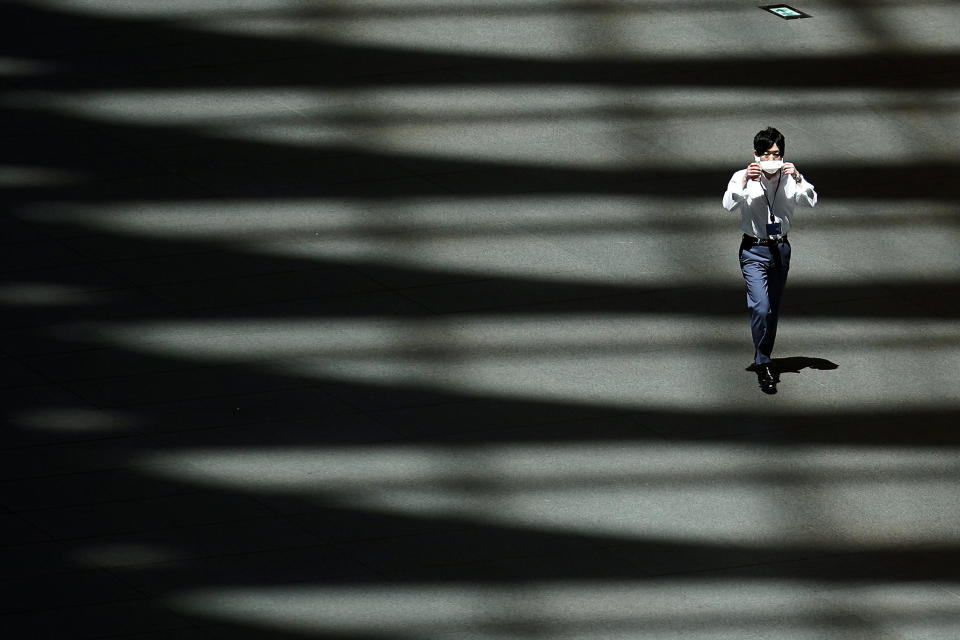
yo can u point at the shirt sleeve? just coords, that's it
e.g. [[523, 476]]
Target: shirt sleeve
[[736, 192], [804, 193]]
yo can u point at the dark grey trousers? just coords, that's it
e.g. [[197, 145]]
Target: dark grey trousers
[[764, 269]]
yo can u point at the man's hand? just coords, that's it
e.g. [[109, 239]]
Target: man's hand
[[753, 173], [790, 170]]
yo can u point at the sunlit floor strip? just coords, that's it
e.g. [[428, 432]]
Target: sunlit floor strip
[[618, 360], [546, 214], [557, 125], [814, 497], [552, 30], [618, 241], [647, 610]]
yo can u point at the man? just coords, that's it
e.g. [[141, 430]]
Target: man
[[766, 193]]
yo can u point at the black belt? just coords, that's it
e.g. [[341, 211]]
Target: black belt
[[763, 242]]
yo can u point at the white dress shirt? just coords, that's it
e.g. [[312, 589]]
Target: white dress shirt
[[753, 200]]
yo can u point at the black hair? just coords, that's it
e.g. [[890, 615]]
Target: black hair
[[766, 139]]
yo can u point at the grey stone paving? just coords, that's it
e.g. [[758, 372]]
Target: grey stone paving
[[422, 319]]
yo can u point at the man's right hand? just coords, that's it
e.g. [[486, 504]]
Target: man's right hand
[[753, 173]]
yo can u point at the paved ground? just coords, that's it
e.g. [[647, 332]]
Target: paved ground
[[421, 319]]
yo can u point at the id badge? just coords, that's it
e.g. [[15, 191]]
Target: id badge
[[775, 229]]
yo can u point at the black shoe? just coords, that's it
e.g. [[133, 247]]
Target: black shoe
[[768, 383]]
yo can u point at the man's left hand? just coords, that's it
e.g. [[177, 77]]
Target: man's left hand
[[790, 170]]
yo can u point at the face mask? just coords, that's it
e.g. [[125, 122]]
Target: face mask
[[769, 166]]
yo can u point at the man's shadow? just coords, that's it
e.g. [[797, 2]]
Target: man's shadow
[[796, 365]]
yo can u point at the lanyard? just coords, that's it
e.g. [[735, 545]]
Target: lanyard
[[770, 204]]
